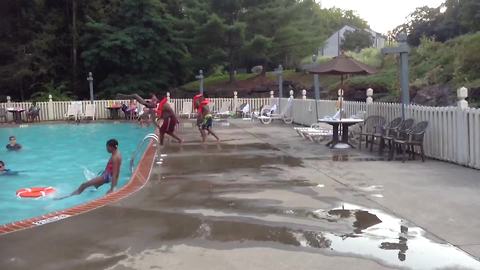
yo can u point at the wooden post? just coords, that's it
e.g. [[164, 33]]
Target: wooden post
[[462, 94], [304, 94], [369, 96], [50, 108]]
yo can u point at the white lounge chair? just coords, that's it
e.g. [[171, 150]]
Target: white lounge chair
[[316, 132], [245, 111], [268, 113], [224, 110], [186, 109], [74, 111], [89, 112]]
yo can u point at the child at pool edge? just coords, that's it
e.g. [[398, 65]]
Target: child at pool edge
[[206, 119], [109, 175], [12, 144]]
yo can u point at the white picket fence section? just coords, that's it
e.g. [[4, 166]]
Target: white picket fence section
[[453, 134]]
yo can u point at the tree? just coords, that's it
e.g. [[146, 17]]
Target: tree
[[356, 40], [135, 49]]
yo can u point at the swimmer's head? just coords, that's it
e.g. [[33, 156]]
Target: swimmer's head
[[12, 140], [112, 145], [2, 166]]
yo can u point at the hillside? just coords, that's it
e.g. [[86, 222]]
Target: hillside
[[436, 71]]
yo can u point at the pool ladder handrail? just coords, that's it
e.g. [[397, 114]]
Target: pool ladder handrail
[[150, 136]]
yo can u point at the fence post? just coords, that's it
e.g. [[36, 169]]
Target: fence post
[[462, 147], [462, 94], [304, 94], [50, 108], [168, 97], [271, 94], [235, 101], [369, 96], [291, 93]]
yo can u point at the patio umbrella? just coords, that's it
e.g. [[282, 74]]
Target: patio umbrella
[[340, 65]]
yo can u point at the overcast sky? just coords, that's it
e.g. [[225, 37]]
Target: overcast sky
[[381, 15]]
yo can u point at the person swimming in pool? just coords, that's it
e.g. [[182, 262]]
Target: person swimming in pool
[[12, 144], [3, 168], [109, 175], [5, 171]]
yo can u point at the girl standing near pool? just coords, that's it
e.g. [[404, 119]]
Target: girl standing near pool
[[109, 175]]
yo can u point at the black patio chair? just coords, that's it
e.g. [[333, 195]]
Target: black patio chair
[[3, 114], [33, 113], [387, 131], [372, 125], [413, 137], [398, 133]]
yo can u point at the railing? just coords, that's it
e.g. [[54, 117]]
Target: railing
[[453, 134]]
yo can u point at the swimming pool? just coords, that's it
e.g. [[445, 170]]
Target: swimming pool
[[62, 156]]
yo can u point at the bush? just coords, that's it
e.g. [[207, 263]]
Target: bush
[[370, 56]]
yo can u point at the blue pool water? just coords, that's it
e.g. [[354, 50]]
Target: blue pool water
[[61, 156]]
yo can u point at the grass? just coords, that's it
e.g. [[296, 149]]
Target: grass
[[215, 80]]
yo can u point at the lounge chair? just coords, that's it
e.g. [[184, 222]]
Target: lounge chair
[[316, 132], [411, 138], [186, 109], [74, 111], [89, 112], [268, 113], [244, 111], [224, 110]]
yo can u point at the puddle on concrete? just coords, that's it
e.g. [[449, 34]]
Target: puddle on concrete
[[375, 236], [345, 158], [224, 163], [225, 146]]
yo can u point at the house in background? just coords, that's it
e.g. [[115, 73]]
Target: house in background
[[332, 44]]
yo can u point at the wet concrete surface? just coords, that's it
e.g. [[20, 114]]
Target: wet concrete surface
[[265, 199]]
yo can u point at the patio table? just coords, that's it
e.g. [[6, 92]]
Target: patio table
[[344, 124], [17, 114], [114, 111]]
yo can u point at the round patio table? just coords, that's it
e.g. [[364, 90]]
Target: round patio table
[[114, 111], [17, 114], [344, 124]]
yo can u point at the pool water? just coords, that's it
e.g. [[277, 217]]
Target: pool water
[[62, 156]]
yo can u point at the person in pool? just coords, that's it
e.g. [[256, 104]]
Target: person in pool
[[12, 144], [3, 169], [109, 175]]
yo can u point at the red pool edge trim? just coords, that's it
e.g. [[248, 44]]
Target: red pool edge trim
[[137, 181]]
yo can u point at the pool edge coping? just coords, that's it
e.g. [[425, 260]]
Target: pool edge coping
[[138, 180]]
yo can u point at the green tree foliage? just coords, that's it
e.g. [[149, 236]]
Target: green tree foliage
[[356, 40], [133, 49], [150, 45], [451, 19]]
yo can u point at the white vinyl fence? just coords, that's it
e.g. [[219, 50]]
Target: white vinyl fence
[[453, 133]]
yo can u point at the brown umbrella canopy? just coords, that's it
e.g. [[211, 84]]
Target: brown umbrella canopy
[[342, 65]]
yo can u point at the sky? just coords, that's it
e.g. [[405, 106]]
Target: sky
[[381, 15]]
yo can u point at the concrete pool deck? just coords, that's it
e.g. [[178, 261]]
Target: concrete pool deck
[[266, 199]]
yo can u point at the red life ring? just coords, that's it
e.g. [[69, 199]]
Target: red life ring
[[35, 192]]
